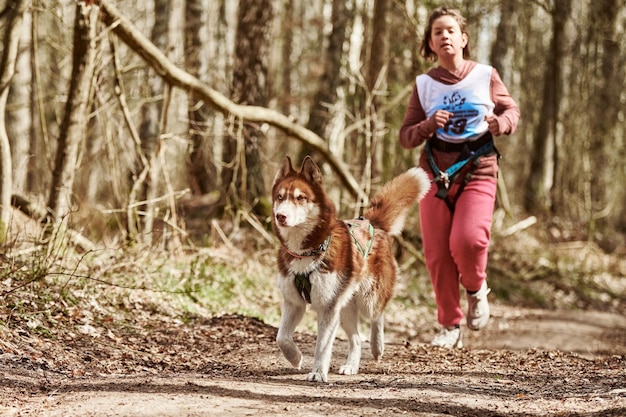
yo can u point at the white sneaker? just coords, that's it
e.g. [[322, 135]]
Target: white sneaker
[[478, 308], [449, 337]]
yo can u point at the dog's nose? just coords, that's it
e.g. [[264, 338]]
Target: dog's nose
[[281, 218]]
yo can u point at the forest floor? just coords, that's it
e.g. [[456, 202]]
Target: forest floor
[[525, 363], [95, 341]]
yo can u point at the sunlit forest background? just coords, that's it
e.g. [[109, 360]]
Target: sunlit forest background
[[162, 123]]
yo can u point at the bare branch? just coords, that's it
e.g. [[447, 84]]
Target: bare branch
[[524, 224], [177, 77]]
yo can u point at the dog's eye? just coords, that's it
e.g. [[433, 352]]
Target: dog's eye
[[279, 197], [302, 198]]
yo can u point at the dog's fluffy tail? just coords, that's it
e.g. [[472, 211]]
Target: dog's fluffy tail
[[388, 210]]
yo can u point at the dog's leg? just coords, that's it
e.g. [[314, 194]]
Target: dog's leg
[[327, 324], [377, 337], [291, 315], [350, 324]]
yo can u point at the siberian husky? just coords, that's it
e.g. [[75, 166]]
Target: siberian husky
[[343, 269]]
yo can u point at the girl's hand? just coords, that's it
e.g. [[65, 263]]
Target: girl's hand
[[439, 119], [494, 127]]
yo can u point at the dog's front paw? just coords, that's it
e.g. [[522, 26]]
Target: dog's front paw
[[317, 377], [291, 353], [297, 361], [348, 370], [294, 358]]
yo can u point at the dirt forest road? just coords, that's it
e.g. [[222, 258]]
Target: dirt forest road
[[526, 363]]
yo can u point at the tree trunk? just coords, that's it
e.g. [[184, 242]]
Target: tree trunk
[[74, 122], [604, 192], [40, 153], [145, 187], [326, 96], [12, 34], [376, 83], [18, 114], [242, 175], [544, 152], [289, 21], [505, 34], [379, 48], [202, 172]]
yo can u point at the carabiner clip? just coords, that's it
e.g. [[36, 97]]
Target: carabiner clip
[[445, 179]]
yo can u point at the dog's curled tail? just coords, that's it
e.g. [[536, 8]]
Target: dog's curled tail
[[389, 208]]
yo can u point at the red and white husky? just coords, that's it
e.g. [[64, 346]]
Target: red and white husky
[[342, 268]]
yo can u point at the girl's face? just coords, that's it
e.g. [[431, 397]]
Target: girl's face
[[446, 38]]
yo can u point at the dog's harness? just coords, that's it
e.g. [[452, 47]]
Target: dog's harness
[[315, 252], [303, 285], [303, 281], [362, 232], [470, 152], [365, 230]]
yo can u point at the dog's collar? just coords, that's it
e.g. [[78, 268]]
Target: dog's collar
[[323, 247]]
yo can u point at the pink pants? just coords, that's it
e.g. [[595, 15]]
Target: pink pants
[[456, 244]]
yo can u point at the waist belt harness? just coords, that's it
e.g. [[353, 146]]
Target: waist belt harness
[[470, 153]]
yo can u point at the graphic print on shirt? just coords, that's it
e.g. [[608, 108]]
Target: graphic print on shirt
[[469, 101], [454, 104]]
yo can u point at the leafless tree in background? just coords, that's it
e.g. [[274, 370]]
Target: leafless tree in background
[[144, 180], [202, 171], [330, 79], [376, 82], [603, 194], [15, 15], [242, 176], [544, 152], [73, 126], [18, 113]]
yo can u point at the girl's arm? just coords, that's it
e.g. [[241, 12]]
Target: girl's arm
[[506, 111], [416, 128]]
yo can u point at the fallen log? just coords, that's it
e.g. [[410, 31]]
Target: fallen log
[[40, 215]]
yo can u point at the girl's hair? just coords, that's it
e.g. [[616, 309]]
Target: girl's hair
[[425, 50]]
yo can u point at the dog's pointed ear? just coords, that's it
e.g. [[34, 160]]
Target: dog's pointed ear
[[310, 170], [285, 169]]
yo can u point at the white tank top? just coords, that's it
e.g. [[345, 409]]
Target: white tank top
[[469, 100]]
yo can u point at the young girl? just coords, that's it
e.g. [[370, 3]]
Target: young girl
[[456, 110]]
